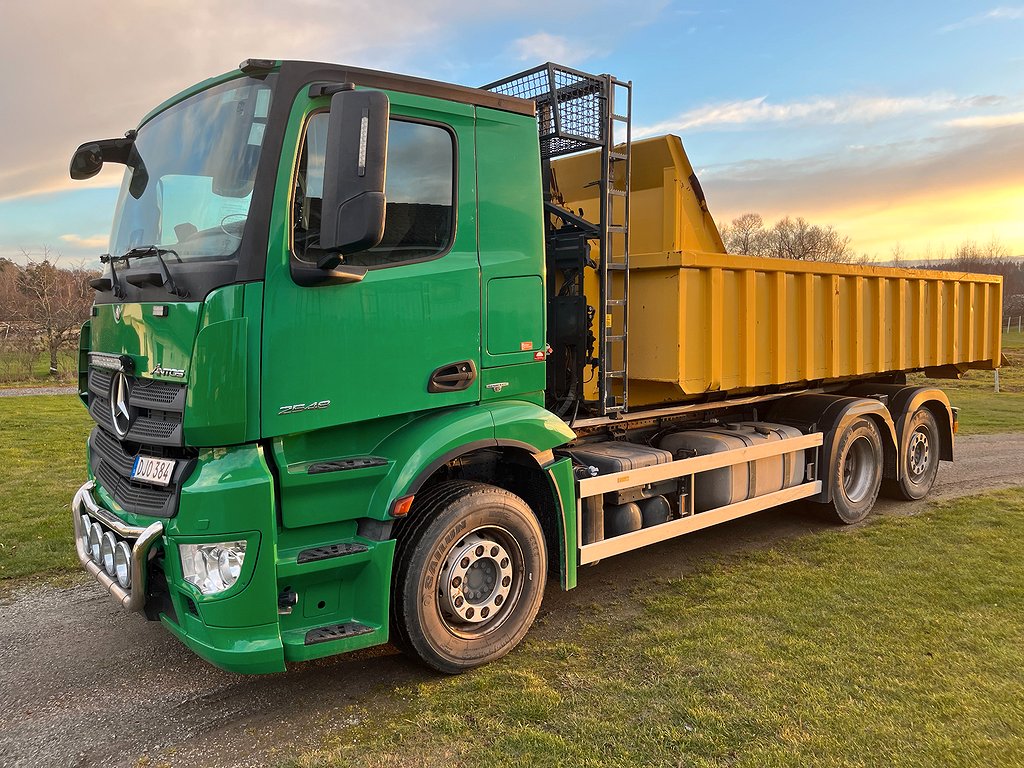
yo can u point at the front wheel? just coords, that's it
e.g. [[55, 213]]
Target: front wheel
[[470, 568]]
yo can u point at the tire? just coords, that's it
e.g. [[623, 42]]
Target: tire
[[920, 463], [856, 472], [470, 570]]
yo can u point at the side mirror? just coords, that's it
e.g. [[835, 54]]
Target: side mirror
[[352, 216], [86, 162], [89, 159]]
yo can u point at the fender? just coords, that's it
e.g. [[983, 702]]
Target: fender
[[426, 444], [422, 447], [830, 414], [563, 486], [904, 401]]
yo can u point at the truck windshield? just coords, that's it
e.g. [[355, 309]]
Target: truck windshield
[[200, 156]]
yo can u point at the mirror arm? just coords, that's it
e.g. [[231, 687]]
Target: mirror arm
[[309, 275], [121, 151], [317, 90]]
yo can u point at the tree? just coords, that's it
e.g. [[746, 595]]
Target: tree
[[745, 235], [9, 295], [51, 302], [1013, 306], [789, 238], [897, 254]]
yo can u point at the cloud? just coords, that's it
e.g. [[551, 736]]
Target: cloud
[[89, 69], [988, 121], [91, 242], [828, 110], [544, 46], [1003, 13], [945, 188]]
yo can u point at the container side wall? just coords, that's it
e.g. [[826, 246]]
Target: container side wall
[[705, 323]]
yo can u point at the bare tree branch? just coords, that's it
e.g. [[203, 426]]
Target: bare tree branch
[[45, 300]]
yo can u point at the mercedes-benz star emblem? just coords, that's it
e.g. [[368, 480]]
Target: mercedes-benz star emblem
[[120, 414]]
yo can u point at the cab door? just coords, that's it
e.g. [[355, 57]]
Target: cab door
[[406, 338]]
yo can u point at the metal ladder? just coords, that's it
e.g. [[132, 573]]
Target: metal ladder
[[613, 315], [578, 112]]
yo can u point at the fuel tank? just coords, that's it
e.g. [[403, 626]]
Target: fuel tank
[[728, 485]]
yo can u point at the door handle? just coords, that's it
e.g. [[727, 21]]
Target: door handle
[[453, 377]]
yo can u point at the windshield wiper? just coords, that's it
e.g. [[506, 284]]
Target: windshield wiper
[[163, 277], [108, 283]]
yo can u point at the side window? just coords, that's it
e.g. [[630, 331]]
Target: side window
[[419, 186]]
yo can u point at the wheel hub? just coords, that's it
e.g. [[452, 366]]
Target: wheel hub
[[917, 453], [477, 579]]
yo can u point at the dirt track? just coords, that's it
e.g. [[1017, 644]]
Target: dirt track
[[29, 391], [82, 683]]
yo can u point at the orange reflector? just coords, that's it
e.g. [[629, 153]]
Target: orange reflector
[[402, 506]]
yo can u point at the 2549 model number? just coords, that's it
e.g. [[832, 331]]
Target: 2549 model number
[[300, 407]]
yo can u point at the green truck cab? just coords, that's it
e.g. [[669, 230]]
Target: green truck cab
[[359, 371], [295, 411]]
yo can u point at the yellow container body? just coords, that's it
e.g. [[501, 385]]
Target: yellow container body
[[703, 321]]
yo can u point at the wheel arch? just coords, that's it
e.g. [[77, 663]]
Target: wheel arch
[[521, 436], [904, 401], [830, 415], [934, 400]]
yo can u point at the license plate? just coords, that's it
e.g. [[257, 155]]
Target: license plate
[[148, 469]]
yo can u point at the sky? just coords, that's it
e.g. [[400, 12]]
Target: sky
[[898, 123]]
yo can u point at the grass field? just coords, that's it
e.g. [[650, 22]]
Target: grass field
[[19, 369], [42, 463], [981, 410], [900, 643], [1013, 340], [44, 432]]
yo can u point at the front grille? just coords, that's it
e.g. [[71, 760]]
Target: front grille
[[111, 463], [154, 431], [157, 408], [108, 447], [155, 428], [158, 394], [99, 380]]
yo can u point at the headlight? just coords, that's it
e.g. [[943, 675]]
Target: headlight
[[107, 544], [123, 564], [95, 535], [212, 567]]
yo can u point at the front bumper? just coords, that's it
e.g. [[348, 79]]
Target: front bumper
[[228, 496], [133, 598]]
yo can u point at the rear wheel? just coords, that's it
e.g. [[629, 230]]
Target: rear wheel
[[470, 569], [856, 472], [920, 461]]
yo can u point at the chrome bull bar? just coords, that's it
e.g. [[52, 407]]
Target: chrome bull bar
[[134, 597]]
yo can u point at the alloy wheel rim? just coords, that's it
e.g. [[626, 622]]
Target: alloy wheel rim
[[480, 581], [918, 453]]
